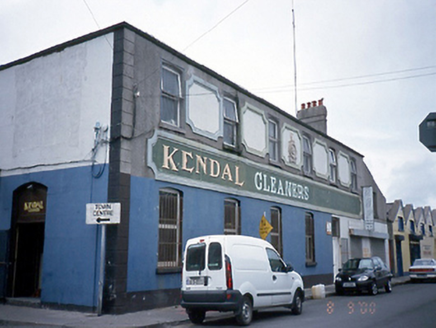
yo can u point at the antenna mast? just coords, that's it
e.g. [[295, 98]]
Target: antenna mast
[[295, 58]]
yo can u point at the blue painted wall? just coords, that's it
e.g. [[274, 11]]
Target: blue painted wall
[[203, 214], [71, 247]]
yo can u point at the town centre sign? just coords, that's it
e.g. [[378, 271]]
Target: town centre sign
[[182, 161]]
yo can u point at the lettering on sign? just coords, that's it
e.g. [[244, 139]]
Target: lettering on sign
[[34, 207], [273, 185]]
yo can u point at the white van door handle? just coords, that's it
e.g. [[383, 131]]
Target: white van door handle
[[274, 278]]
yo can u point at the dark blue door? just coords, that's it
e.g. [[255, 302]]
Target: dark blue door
[[399, 258]]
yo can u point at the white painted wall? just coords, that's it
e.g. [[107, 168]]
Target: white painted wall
[[254, 131], [344, 169], [50, 105], [320, 159]]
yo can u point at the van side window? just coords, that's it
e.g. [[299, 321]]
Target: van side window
[[215, 261], [275, 261], [195, 257]]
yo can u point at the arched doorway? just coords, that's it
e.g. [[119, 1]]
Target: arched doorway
[[27, 240]]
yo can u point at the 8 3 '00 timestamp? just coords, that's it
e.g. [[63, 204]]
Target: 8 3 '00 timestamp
[[354, 308]]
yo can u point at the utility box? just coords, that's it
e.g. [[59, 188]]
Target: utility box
[[427, 132]]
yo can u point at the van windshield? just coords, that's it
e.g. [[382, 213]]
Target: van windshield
[[195, 257]]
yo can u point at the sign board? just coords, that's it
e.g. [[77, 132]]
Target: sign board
[[103, 213], [368, 208], [427, 132], [264, 227]]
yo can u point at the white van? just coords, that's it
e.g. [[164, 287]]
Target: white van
[[239, 274]]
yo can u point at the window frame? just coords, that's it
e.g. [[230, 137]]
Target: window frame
[[170, 96], [333, 166], [353, 174], [273, 141], [310, 239], [307, 156], [236, 229], [233, 123], [176, 245], [276, 232]]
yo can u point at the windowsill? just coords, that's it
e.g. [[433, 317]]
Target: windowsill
[[231, 148], [168, 270], [311, 264], [168, 126]]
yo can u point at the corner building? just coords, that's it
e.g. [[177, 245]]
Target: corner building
[[118, 116]]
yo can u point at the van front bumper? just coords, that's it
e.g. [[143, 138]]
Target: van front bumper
[[220, 300]]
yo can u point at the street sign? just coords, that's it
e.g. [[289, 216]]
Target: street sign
[[427, 132], [103, 213], [264, 227]]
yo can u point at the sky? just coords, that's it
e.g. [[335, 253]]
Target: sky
[[372, 61]]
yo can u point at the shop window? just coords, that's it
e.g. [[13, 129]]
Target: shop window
[[310, 240], [276, 232], [232, 220], [307, 156], [170, 96], [273, 140], [332, 166], [170, 228], [230, 123]]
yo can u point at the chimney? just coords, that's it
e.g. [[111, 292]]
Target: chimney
[[314, 114]]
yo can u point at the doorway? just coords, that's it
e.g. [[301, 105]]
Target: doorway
[[27, 241]]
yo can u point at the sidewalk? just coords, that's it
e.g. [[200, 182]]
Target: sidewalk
[[11, 315]]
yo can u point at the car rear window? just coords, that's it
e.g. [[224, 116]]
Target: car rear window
[[215, 258], [195, 257]]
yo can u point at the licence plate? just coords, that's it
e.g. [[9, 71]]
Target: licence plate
[[349, 284], [196, 281]]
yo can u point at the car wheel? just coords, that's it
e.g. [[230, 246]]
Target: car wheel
[[245, 314], [373, 289], [196, 316], [297, 306], [388, 286]]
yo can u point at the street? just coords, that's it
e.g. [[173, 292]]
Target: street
[[408, 305]]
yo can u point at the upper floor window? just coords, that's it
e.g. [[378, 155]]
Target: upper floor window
[[423, 229], [307, 156], [230, 123], [276, 232], [170, 228], [273, 140], [400, 224], [232, 220], [353, 172], [430, 230], [332, 166], [170, 96], [412, 226], [310, 239]]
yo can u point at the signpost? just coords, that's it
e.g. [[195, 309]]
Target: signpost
[[102, 214]]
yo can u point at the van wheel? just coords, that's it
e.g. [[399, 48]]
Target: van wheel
[[245, 314], [297, 306], [196, 316]]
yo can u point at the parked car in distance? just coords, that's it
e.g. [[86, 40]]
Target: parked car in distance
[[363, 275], [239, 274], [423, 269]]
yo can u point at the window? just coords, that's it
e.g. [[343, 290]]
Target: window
[[307, 156], [353, 172], [275, 261], [273, 141], [400, 224], [336, 228], [423, 229], [170, 97], [230, 123], [310, 240], [412, 226], [332, 166], [430, 230], [232, 224], [276, 232], [170, 229]]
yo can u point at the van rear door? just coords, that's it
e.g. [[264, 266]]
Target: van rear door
[[204, 266]]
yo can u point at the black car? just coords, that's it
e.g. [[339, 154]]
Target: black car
[[363, 274]]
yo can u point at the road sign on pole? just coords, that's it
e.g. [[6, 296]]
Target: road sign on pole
[[103, 213]]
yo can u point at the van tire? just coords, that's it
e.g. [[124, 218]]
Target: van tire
[[245, 314], [196, 316], [297, 305]]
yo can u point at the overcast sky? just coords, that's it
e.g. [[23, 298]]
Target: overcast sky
[[373, 62]]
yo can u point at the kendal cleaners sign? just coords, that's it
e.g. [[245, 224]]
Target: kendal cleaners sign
[[174, 160]]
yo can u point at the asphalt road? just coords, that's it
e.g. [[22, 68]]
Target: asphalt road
[[410, 305]]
